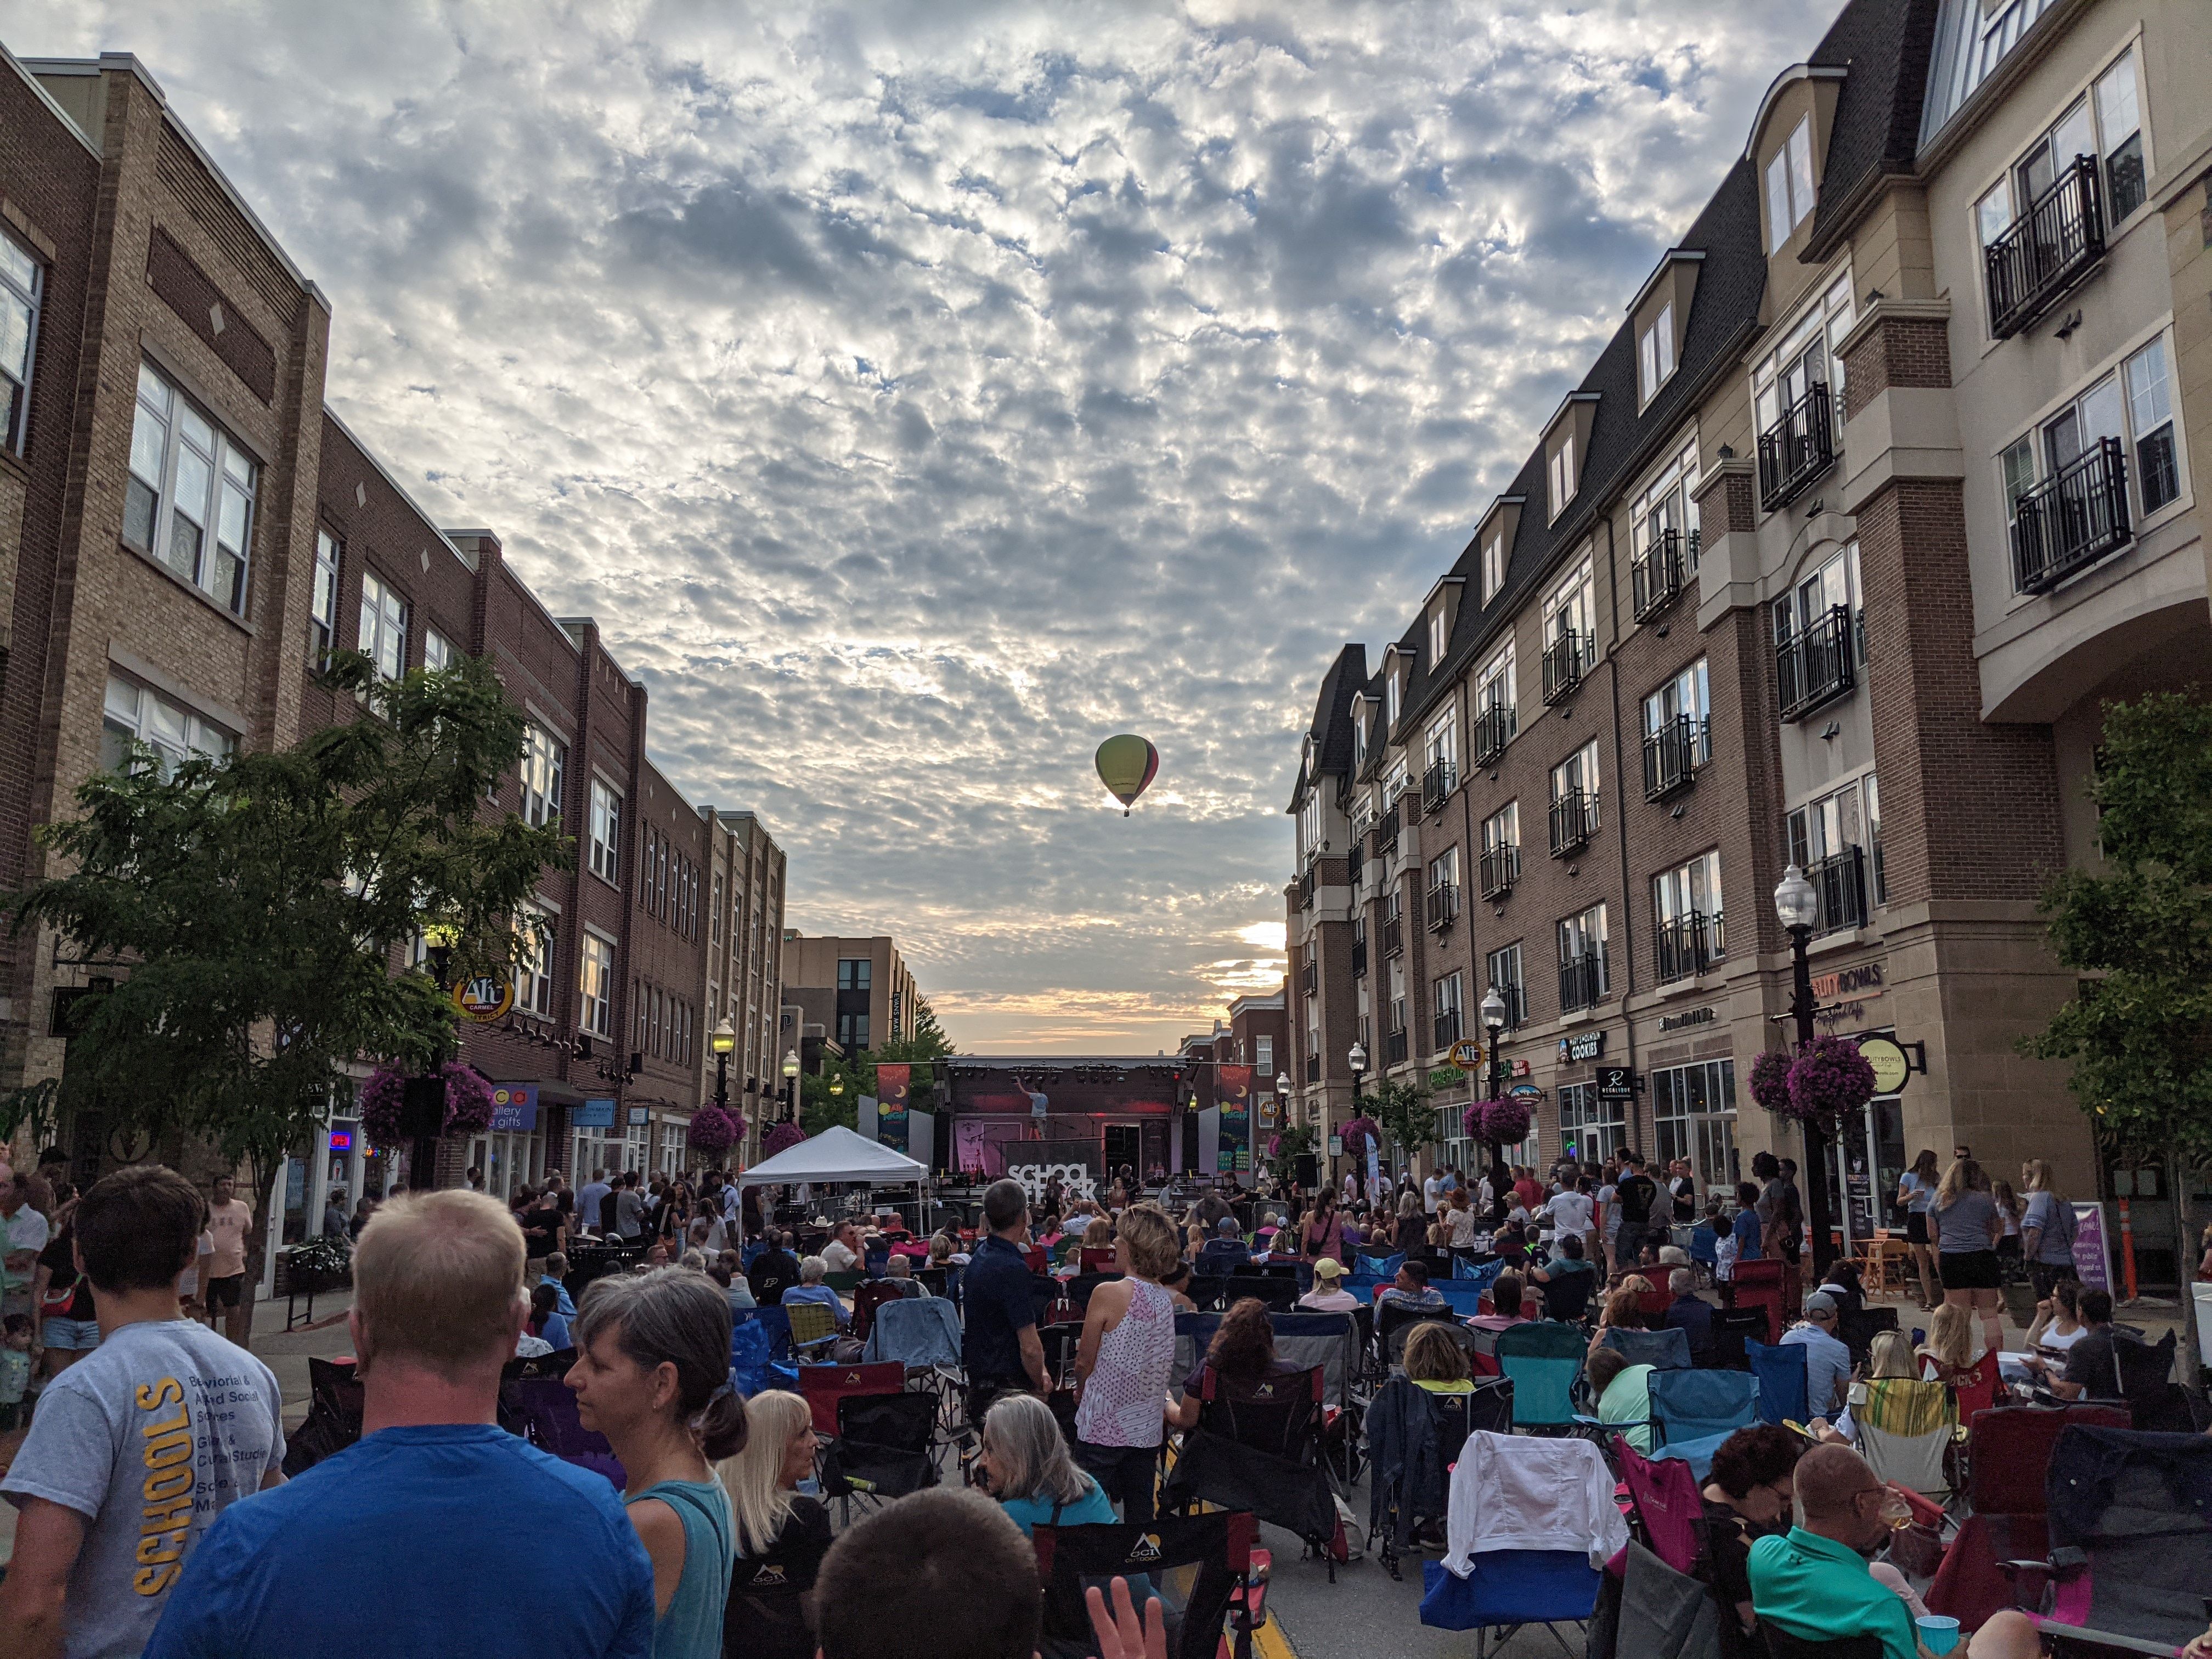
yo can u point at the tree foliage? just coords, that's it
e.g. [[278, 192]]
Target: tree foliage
[[251, 909], [818, 1109], [2140, 1035], [1403, 1111]]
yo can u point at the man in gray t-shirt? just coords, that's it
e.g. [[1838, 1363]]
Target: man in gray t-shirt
[[629, 1208], [140, 1445]]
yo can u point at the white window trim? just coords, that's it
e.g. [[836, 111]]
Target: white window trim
[[1661, 338], [593, 844], [224, 443], [17, 441]]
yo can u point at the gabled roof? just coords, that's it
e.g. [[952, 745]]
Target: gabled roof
[[1331, 730]]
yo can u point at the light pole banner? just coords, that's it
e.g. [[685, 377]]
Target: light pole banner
[[892, 1085], [1232, 1089]]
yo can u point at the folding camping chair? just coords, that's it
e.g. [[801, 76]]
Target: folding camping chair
[[1653, 1304], [1706, 1250], [1391, 1317], [1544, 1362], [1858, 1330], [2130, 1549], [1210, 1580], [1667, 1350], [1567, 1297], [866, 1300], [546, 1406], [1260, 1449], [1667, 1503], [1688, 1405], [884, 1447], [1732, 1329], [1664, 1612], [1758, 1284], [1095, 1262], [1974, 1388], [1904, 1432], [1783, 1386], [1279, 1295], [1394, 1349], [813, 1325], [823, 1386], [335, 1406]]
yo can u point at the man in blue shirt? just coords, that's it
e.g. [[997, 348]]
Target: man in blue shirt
[[1691, 1314], [557, 1270], [1000, 1348], [462, 1522], [1827, 1361], [1224, 1252]]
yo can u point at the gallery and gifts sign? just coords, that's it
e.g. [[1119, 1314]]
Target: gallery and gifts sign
[[514, 1106]]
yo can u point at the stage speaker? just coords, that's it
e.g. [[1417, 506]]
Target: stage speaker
[[423, 1109], [1309, 1171]]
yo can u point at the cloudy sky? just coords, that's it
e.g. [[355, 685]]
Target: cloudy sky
[[920, 393]]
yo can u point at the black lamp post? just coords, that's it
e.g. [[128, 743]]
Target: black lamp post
[[1798, 906], [1356, 1060], [791, 1085], [723, 1042], [1494, 1022]]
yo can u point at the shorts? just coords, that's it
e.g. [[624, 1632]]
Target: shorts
[[72, 1335], [227, 1292], [1916, 1227], [1970, 1270]]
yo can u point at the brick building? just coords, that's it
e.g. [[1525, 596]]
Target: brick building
[[744, 973], [1880, 488], [859, 989]]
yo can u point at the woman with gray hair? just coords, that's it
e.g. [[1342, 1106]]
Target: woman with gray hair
[[1023, 1463], [652, 1374]]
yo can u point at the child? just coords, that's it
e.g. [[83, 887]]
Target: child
[[14, 1368], [1724, 1249]]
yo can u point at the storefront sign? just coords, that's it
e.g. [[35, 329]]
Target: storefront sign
[[1890, 1067], [2093, 1255], [1527, 1091], [514, 1106], [484, 999], [341, 1140], [1584, 1045], [1336, 1145], [1466, 1053], [1688, 1018], [639, 1114], [1521, 1068], [593, 1115], [1858, 983], [1615, 1083]]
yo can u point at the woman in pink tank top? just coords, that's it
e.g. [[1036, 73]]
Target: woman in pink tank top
[[1125, 1360]]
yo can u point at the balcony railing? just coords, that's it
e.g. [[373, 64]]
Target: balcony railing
[[1656, 575], [1840, 881], [1447, 1031], [1574, 821], [1386, 835], [1394, 937], [1582, 981], [1444, 906], [1306, 889], [1309, 978], [1797, 449], [2072, 519], [1313, 1068], [1436, 785], [1359, 959], [1672, 755], [1688, 944], [1815, 668], [1499, 868], [1566, 659], [1494, 730], [1516, 999], [1394, 1049], [2049, 248], [1355, 862]]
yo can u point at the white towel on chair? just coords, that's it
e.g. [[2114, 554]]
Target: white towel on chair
[[1521, 1492]]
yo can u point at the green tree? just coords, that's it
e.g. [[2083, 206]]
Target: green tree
[[1403, 1110], [2139, 929], [252, 910], [818, 1108]]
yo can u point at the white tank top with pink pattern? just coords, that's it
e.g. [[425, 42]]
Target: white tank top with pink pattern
[[1124, 1401]]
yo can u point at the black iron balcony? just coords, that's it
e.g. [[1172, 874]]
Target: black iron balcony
[[1656, 577], [1499, 868], [2072, 519], [1494, 730], [1566, 659], [1436, 785], [1582, 981], [1447, 1031], [1516, 1006], [1355, 863], [1394, 1049], [2052, 246], [1574, 821], [1309, 978], [1443, 905], [1359, 959], [1840, 881], [1672, 756], [1394, 937], [1386, 834], [1688, 944], [1306, 889], [1815, 668], [1797, 449], [1313, 1068]]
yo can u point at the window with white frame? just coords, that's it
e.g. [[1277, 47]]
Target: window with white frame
[[1502, 829], [1309, 824], [1442, 743], [672, 1138], [383, 633], [1263, 1056], [533, 985], [1836, 821], [1872, 791], [1832, 585], [1591, 1130], [438, 651], [1493, 690], [1396, 783], [1561, 473], [1443, 870], [1571, 608], [595, 986], [2133, 406], [1805, 357], [544, 767], [1358, 737], [1972, 37], [1390, 699], [1446, 996], [606, 832], [1578, 771], [1502, 971], [2105, 126], [1694, 1116], [1493, 563], [323, 603], [714, 923], [1669, 502], [133, 714], [1582, 944], [1789, 194], [1686, 904], [21, 282], [1436, 635], [1687, 696], [189, 501], [1655, 352]]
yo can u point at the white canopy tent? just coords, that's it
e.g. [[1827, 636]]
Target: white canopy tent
[[837, 1154]]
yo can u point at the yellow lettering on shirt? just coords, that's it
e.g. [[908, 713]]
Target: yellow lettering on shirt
[[168, 1457], [169, 1515], [159, 1394], [165, 1453], [161, 1487], [183, 1420], [152, 1581], [150, 1550]]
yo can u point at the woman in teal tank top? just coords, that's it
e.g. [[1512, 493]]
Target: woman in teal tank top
[[652, 1374]]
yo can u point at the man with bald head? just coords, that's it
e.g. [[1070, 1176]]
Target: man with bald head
[[1812, 1582]]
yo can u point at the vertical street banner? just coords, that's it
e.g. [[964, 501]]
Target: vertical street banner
[[1232, 1090], [893, 1085]]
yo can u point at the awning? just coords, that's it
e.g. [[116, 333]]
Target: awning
[[837, 1154]]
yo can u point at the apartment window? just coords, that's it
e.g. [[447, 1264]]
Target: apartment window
[[1502, 968], [855, 973], [1790, 185], [1591, 1130], [1570, 612], [1668, 503], [383, 636], [1358, 739], [1577, 774], [673, 1136], [595, 986], [606, 832], [1494, 690], [1831, 838], [1446, 997], [714, 923], [21, 282], [1677, 729], [1826, 826], [1501, 850], [1686, 910], [533, 988], [2106, 126], [1832, 585], [1309, 827], [1493, 563], [322, 602], [1583, 971], [438, 651], [1694, 1116], [1443, 872], [190, 498], [1263, 1056], [1390, 701], [1873, 793], [852, 1032], [1442, 744], [134, 715], [2136, 404], [1502, 828], [1655, 352], [1562, 473], [1972, 37], [544, 766], [1806, 358], [1435, 636]]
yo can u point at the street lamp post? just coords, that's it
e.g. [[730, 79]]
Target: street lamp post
[[1356, 1060], [1282, 1104], [791, 1085], [1798, 906], [1493, 1024], [723, 1042]]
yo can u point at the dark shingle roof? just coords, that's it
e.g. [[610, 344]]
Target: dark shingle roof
[[1885, 44], [1331, 729]]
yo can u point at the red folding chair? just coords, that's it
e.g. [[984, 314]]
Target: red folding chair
[[1977, 1388], [1759, 1285], [1653, 1304], [866, 1298], [824, 1386], [1667, 1503], [1095, 1262]]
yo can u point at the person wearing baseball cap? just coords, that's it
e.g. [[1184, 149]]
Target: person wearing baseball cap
[[1328, 1294], [1827, 1361]]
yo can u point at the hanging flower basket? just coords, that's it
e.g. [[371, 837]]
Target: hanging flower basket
[[1358, 1132], [468, 1103], [1770, 1081], [781, 1138], [468, 1099], [1830, 1079], [1500, 1122], [713, 1130]]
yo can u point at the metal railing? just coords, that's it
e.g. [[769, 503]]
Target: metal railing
[[1516, 999], [1309, 978], [1566, 659], [1447, 1031], [1494, 730], [1574, 821], [1582, 981], [1386, 834], [2049, 247], [1394, 1049], [1436, 785], [1814, 667], [1797, 449], [1840, 881], [1393, 936], [1306, 889], [1443, 905], [1672, 756], [1688, 944], [2072, 519], [1656, 577], [1499, 868]]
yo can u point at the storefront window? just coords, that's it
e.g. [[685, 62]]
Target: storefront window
[[1694, 1116], [1590, 1130]]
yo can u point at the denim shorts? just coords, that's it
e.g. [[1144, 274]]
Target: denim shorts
[[82, 1335]]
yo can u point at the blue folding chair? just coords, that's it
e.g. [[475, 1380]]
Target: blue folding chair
[[777, 1323], [1463, 1299], [1696, 1405], [1697, 1454], [1382, 1267], [1706, 1247], [1779, 1368], [1504, 1589], [1667, 1351], [1544, 1361]]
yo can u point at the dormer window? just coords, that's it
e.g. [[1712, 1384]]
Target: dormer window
[[1390, 699], [1654, 353], [1790, 185], [1436, 637], [1493, 563], [1563, 474]]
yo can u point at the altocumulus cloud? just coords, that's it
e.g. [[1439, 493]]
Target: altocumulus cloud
[[919, 394]]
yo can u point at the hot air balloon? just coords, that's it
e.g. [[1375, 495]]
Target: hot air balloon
[[1127, 765]]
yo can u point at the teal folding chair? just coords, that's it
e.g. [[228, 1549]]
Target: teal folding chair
[[1544, 1361]]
